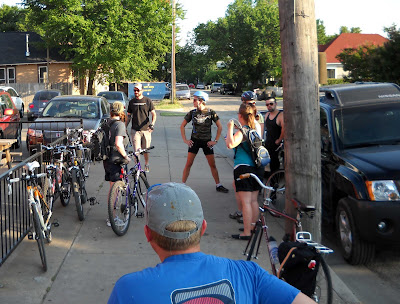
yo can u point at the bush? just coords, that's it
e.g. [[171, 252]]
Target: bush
[[337, 81]]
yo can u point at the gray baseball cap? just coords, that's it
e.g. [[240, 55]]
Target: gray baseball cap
[[171, 202], [138, 85]]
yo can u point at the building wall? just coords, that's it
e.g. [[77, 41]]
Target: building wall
[[60, 72], [26, 73]]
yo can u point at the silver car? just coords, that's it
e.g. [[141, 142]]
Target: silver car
[[182, 91], [112, 96]]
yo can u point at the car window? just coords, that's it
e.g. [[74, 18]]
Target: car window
[[105, 107], [45, 95], [182, 88], [111, 95], [6, 102], [68, 109], [12, 92]]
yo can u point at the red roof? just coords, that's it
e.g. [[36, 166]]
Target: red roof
[[349, 40]]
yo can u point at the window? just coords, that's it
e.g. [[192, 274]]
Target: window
[[43, 78], [6, 102], [2, 76], [331, 73], [326, 144], [11, 75], [12, 92]]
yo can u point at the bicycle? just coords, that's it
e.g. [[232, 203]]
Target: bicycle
[[40, 209], [322, 292], [78, 166], [126, 193]]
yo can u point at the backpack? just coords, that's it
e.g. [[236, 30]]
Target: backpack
[[299, 265], [258, 152], [101, 149]]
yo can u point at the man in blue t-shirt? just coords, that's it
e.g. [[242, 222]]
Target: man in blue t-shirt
[[174, 226]]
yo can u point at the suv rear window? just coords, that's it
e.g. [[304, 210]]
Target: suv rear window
[[45, 95]]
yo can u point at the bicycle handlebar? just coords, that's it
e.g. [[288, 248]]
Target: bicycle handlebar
[[248, 175], [140, 151]]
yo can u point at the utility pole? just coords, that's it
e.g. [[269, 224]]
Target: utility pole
[[301, 108], [173, 72]]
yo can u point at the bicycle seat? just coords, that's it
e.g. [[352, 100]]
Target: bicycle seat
[[31, 166], [301, 206]]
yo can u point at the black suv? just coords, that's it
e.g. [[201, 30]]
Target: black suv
[[360, 156], [227, 88]]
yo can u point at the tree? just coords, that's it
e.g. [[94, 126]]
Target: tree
[[119, 39], [11, 18], [322, 38], [246, 39]]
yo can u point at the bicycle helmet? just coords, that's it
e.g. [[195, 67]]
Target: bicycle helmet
[[201, 95], [249, 95]]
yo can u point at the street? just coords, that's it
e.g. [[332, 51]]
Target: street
[[86, 258]]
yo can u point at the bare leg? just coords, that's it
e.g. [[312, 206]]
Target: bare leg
[[189, 162], [146, 158], [247, 211], [238, 201], [254, 207], [213, 167]]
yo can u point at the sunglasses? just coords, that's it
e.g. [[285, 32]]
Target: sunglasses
[[270, 104], [136, 90]]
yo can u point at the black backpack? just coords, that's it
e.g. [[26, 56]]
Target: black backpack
[[101, 149], [258, 152]]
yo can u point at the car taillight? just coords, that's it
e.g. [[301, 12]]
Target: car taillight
[[8, 112], [31, 106]]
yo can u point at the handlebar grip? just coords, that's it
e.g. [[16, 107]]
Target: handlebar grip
[[243, 176], [149, 148]]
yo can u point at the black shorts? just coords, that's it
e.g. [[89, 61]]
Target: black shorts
[[113, 171], [197, 144], [247, 184]]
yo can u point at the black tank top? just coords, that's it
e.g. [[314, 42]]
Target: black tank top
[[273, 130]]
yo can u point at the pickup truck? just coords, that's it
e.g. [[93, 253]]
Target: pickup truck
[[360, 157]]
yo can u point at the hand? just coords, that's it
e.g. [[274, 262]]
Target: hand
[[230, 124], [150, 129], [127, 158], [211, 143], [278, 142], [189, 142]]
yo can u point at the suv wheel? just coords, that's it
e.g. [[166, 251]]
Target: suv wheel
[[354, 250], [21, 113], [17, 144]]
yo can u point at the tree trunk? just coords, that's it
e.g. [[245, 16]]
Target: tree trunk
[[91, 76], [301, 108]]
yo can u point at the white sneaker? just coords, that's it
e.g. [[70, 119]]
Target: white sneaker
[[108, 222]]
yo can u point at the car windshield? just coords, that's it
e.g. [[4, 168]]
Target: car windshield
[[217, 84], [111, 95], [369, 125], [72, 108], [182, 88], [44, 96]]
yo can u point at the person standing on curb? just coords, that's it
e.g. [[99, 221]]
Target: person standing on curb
[[139, 110], [187, 275], [202, 119], [274, 126]]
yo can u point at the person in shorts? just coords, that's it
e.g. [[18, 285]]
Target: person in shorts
[[202, 119], [247, 189], [139, 109]]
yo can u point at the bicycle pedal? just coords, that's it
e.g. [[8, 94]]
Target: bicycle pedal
[[30, 236], [140, 214], [93, 201], [56, 223]]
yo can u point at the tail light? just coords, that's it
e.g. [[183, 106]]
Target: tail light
[[31, 106], [9, 112]]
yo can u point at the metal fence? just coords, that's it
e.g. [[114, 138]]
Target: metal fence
[[15, 220]]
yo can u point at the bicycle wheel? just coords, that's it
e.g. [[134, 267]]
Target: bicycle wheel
[[276, 197], [39, 236], [46, 206], [253, 240], [323, 288], [119, 208], [141, 189], [76, 189], [65, 190]]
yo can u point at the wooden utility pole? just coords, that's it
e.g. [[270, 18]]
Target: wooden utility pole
[[301, 107], [173, 72]]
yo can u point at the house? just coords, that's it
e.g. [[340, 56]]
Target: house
[[344, 41]]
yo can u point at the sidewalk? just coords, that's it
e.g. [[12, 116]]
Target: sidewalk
[[86, 258]]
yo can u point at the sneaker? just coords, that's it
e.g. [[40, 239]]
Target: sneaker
[[222, 189], [146, 168], [235, 215], [108, 222]]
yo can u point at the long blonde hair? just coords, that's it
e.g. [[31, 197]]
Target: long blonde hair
[[248, 114]]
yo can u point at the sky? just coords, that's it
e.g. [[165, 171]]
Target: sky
[[369, 15]]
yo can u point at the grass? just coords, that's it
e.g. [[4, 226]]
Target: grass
[[172, 114], [167, 105]]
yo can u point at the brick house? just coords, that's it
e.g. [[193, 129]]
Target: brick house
[[341, 42]]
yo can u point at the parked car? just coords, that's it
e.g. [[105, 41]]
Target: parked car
[[182, 91], [10, 127], [200, 86], [227, 89], [191, 85], [62, 112], [39, 102], [360, 158], [19, 104], [113, 96], [215, 87]]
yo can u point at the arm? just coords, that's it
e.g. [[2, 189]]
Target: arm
[[212, 143], [281, 123], [301, 298], [233, 140], [119, 145], [188, 142]]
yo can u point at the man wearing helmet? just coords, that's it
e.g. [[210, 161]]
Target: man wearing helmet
[[202, 119]]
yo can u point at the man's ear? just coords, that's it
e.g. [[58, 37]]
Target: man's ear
[[147, 232], [203, 227]]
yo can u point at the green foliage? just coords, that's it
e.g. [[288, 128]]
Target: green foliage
[[332, 81], [370, 63], [246, 39], [322, 38], [11, 18], [118, 38]]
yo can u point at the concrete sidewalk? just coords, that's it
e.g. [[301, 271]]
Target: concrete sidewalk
[[86, 258]]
